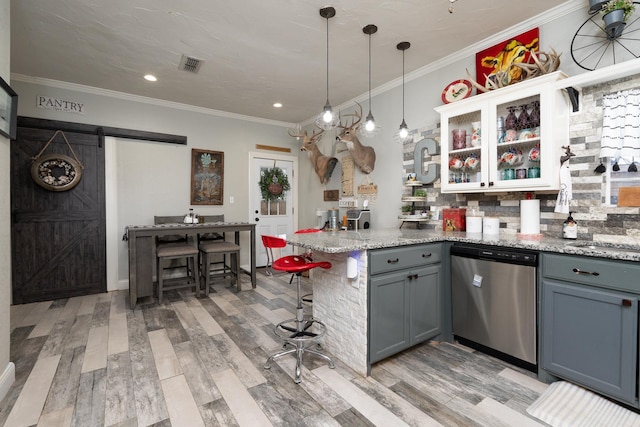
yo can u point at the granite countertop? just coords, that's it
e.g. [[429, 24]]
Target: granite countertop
[[349, 241]]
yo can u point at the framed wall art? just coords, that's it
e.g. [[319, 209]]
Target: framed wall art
[[498, 60], [207, 177], [8, 110]]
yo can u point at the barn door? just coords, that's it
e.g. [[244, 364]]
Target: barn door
[[58, 237]]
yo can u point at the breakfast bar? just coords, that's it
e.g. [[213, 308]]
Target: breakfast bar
[[348, 307]]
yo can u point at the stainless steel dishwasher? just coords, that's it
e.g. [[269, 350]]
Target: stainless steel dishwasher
[[494, 300]]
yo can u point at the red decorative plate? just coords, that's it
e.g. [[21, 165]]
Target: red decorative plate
[[455, 91]]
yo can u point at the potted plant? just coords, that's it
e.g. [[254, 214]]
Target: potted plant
[[420, 193], [615, 14]]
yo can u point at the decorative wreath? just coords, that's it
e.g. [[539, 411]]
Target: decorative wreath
[[56, 172], [274, 184]]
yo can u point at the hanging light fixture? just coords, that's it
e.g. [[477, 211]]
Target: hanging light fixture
[[370, 128], [403, 131], [327, 119], [451, 2]]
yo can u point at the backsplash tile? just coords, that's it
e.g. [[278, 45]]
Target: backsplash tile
[[595, 221]]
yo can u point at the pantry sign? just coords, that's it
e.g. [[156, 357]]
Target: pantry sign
[[58, 104]]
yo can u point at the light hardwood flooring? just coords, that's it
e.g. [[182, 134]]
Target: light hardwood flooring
[[91, 361]]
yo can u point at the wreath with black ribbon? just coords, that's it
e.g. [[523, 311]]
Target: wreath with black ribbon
[[274, 184]]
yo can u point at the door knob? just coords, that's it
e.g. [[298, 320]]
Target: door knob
[[256, 212], [257, 219]]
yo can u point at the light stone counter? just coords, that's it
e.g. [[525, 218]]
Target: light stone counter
[[341, 303], [348, 241]]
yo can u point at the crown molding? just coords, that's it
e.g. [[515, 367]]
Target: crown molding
[[145, 100]]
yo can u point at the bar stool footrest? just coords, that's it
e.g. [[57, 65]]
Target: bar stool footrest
[[294, 331]]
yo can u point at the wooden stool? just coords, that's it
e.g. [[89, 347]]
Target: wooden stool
[[170, 251], [207, 260]]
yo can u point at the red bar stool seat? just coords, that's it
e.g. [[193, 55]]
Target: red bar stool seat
[[302, 332]]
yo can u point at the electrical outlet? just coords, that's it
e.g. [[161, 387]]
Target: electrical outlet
[[231, 199]]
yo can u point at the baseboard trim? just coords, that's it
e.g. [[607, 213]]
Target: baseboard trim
[[7, 379]]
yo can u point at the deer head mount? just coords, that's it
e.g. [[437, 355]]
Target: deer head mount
[[322, 164], [363, 156]]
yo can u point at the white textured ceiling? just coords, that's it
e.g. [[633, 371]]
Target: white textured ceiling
[[255, 52]]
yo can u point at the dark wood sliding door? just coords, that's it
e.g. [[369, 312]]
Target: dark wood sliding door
[[58, 237]]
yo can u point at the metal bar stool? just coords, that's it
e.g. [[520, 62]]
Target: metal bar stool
[[301, 332], [270, 243], [308, 298]]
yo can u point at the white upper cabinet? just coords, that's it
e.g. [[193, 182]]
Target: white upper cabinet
[[488, 144]]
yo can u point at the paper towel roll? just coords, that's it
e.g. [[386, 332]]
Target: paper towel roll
[[530, 216], [490, 225], [474, 224]]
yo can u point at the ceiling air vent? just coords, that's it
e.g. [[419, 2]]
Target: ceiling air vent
[[190, 64]]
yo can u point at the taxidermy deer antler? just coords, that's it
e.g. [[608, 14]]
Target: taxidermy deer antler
[[363, 156], [322, 164], [543, 63]]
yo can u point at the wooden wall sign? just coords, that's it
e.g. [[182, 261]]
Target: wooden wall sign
[[347, 176], [331, 195]]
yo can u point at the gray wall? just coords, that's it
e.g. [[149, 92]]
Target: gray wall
[[146, 178], [5, 224]]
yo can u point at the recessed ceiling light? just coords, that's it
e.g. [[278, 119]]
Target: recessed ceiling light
[[150, 77], [278, 105]]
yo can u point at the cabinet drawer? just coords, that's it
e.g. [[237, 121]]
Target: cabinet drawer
[[381, 261], [592, 271]]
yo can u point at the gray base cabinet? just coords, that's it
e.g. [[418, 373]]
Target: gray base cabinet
[[589, 332], [405, 298]]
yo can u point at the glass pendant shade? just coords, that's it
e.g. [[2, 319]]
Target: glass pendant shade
[[370, 128], [327, 119], [403, 131]]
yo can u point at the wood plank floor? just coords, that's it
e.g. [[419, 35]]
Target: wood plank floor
[[91, 361]]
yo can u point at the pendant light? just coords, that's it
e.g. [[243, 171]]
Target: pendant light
[[327, 119], [403, 131], [370, 127]]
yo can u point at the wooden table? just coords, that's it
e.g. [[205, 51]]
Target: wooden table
[[141, 250]]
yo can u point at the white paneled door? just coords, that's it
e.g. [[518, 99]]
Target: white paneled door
[[272, 217]]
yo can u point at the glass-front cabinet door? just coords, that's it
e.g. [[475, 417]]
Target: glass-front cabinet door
[[466, 167], [509, 139]]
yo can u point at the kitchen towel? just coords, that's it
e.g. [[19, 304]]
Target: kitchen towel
[[530, 216], [621, 124], [565, 194]]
